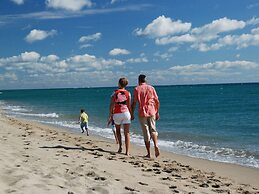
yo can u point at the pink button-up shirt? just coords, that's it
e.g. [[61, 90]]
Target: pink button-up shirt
[[147, 98]]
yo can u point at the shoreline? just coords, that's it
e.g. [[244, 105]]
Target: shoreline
[[63, 149]]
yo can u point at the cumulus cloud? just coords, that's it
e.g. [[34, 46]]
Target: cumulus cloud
[[186, 38], [165, 56], [37, 35], [50, 58], [30, 56], [211, 31], [33, 63], [251, 6], [18, 2], [70, 5], [213, 72], [119, 51], [8, 76], [29, 68], [239, 41], [115, 1], [253, 21], [137, 60], [205, 38], [163, 26], [85, 46], [218, 65], [93, 37], [255, 31]]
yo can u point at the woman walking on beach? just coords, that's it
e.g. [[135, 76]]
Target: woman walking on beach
[[120, 112]]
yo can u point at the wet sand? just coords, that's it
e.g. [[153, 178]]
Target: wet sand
[[37, 158]]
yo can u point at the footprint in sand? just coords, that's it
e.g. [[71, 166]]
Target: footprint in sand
[[131, 189], [100, 178], [141, 183]]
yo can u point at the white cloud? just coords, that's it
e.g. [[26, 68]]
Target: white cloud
[[54, 15], [50, 58], [30, 56], [251, 6], [70, 5], [163, 26], [18, 2], [205, 38], [202, 34], [211, 31], [172, 49], [85, 46], [240, 41], [93, 37], [253, 21], [119, 51], [186, 38], [37, 35], [137, 60], [32, 63], [86, 62], [29, 69], [218, 65], [255, 31], [214, 72], [8, 76], [115, 1], [82, 58], [165, 56]]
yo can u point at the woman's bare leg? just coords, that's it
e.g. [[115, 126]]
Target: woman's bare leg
[[118, 133], [127, 138]]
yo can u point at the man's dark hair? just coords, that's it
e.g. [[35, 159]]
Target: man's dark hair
[[82, 110], [142, 78]]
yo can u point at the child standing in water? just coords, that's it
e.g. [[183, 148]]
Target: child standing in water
[[83, 119]]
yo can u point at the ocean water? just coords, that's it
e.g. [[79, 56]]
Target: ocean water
[[215, 122]]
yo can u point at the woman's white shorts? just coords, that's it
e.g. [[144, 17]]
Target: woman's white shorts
[[122, 118]]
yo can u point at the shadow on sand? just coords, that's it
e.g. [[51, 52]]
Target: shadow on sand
[[77, 148]]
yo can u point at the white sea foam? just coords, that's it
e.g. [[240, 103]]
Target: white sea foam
[[46, 115], [227, 155], [13, 108]]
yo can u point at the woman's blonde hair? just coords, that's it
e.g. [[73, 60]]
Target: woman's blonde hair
[[123, 82]]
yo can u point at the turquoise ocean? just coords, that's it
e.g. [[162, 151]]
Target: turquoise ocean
[[216, 122]]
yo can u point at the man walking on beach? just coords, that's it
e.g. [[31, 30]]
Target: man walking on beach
[[149, 105]]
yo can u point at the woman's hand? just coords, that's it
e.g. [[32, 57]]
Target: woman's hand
[[157, 116]]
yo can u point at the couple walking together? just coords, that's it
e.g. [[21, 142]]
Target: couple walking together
[[122, 112]]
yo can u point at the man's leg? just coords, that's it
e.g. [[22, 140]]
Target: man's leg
[[146, 135], [147, 144], [153, 132], [154, 138]]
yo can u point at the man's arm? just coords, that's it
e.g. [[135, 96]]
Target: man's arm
[[157, 105], [133, 105]]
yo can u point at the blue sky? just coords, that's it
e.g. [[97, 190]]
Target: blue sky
[[89, 43]]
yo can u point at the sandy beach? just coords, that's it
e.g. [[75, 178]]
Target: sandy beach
[[42, 159]]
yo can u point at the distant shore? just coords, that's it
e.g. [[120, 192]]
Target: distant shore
[[37, 158]]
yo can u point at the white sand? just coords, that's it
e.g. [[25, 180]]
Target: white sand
[[41, 159]]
